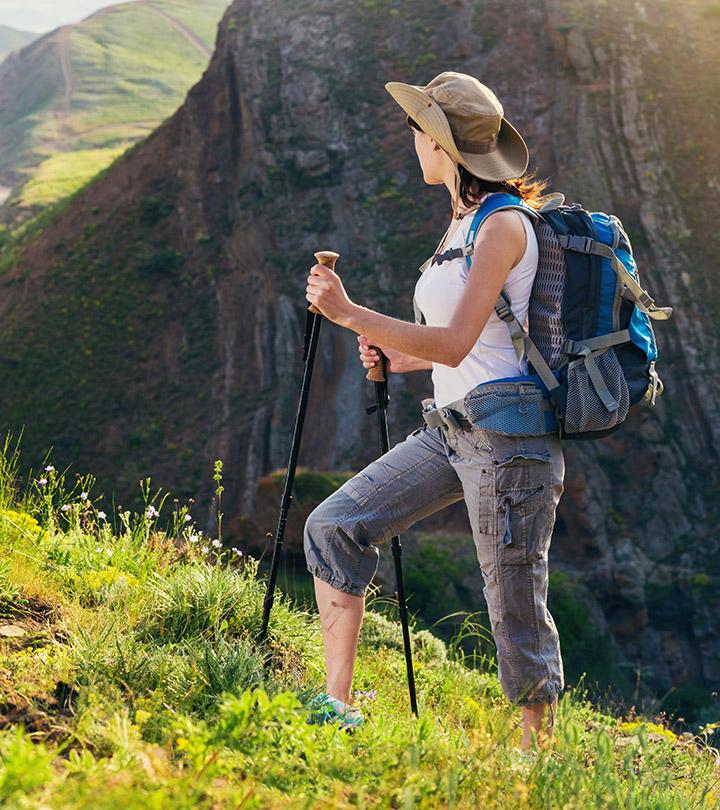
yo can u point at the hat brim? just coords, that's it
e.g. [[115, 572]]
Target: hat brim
[[507, 161]]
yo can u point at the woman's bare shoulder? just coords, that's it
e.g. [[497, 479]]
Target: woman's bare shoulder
[[506, 224], [509, 219]]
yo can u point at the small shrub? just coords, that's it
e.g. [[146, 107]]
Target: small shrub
[[25, 766], [160, 260], [20, 526], [152, 210], [379, 631]]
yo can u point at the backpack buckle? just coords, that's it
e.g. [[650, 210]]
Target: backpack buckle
[[569, 347], [583, 244], [450, 418], [655, 387], [502, 308]]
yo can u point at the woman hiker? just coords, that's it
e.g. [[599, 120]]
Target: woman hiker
[[463, 140]]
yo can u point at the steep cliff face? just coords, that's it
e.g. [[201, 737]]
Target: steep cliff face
[[156, 324]]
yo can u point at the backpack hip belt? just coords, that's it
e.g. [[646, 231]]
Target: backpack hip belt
[[513, 407]]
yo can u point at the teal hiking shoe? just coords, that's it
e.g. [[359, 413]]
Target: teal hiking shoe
[[324, 710], [522, 760]]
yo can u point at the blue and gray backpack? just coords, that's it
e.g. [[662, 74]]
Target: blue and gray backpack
[[590, 345]]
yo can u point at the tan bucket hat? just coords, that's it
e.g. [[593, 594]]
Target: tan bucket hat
[[464, 117]]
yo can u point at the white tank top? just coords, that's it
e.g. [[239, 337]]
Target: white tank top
[[438, 292]]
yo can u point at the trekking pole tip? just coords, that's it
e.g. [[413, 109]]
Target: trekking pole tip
[[328, 258]]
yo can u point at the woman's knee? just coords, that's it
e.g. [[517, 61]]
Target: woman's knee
[[333, 548], [318, 528]]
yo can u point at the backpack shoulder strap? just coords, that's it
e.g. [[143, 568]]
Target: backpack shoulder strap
[[496, 201], [493, 202], [523, 345]]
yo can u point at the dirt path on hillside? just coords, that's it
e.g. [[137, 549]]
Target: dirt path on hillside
[[66, 67], [62, 139], [188, 33], [149, 124]]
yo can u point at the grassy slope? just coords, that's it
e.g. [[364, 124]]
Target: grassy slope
[[195, 15], [130, 677], [60, 174], [100, 85], [11, 38]]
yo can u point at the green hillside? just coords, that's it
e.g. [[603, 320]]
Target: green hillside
[[130, 676], [11, 38], [82, 93]]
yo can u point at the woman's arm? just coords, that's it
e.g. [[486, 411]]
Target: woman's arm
[[499, 246], [417, 364], [396, 362]]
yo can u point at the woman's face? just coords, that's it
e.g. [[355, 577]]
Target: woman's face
[[434, 161]]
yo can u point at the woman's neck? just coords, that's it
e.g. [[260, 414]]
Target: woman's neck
[[456, 222], [463, 209]]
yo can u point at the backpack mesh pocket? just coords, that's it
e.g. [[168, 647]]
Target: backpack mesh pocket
[[515, 409], [585, 410]]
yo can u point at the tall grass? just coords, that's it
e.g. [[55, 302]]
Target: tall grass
[[133, 678]]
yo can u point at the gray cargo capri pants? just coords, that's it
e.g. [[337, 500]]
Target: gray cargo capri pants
[[511, 486]]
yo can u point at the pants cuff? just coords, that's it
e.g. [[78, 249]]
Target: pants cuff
[[549, 692], [327, 576]]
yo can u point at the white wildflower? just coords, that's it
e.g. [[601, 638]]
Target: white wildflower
[[65, 507], [204, 549], [216, 543], [42, 481], [194, 538], [187, 518], [83, 496], [49, 468]]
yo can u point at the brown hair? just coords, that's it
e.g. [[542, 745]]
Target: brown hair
[[527, 187]]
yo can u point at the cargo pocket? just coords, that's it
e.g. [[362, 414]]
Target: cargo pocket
[[523, 501]]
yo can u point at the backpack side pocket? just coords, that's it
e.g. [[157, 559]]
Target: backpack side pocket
[[585, 410]]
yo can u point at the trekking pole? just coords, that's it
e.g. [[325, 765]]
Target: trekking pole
[[378, 376], [312, 330]]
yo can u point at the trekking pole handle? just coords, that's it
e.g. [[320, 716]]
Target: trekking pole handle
[[328, 259], [377, 372]]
